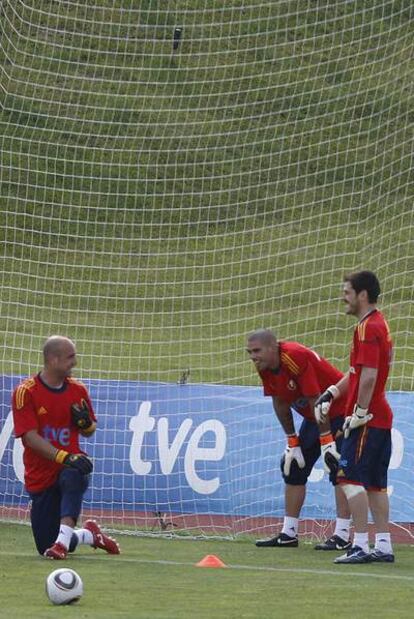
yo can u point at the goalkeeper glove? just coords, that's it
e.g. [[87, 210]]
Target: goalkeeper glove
[[292, 452], [360, 416], [323, 403], [80, 462], [81, 415], [330, 455]]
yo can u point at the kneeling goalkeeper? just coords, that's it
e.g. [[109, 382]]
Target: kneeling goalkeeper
[[50, 411]]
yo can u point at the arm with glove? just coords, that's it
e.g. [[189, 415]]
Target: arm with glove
[[81, 462], [360, 414], [46, 450], [82, 418], [293, 451], [324, 401], [329, 452]]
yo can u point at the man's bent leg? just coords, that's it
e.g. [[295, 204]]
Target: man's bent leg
[[45, 517], [72, 485], [340, 538], [294, 499], [295, 489]]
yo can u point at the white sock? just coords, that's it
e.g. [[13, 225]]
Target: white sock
[[383, 542], [342, 527], [65, 535], [290, 526], [361, 540], [84, 536]]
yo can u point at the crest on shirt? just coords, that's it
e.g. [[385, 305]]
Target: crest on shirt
[[42, 411], [291, 385]]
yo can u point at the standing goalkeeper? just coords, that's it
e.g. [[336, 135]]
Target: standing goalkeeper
[[295, 376], [50, 411], [366, 448]]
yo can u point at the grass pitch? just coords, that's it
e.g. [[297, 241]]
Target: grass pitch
[[158, 579], [157, 208], [157, 211]]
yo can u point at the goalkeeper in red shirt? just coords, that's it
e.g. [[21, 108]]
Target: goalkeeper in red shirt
[[294, 376], [50, 411], [366, 448]]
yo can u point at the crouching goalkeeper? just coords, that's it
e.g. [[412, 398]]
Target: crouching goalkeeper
[[50, 411], [294, 376]]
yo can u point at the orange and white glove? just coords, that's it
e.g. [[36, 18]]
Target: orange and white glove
[[330, 455], [292, 452]]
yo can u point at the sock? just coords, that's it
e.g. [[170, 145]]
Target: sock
[[383, 542], [290, 526], [84, 536], [361, 540], [65, 535], [342, 527]]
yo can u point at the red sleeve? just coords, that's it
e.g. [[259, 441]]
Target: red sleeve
[[24, 414], [369, 349]]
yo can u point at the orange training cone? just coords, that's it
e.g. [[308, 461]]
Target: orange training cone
[[211, 561]]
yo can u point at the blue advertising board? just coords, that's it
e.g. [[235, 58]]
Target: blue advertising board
[[202, 449]]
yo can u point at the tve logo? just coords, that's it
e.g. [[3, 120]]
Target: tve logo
[[5, 435], [142, 423], [61, 435]]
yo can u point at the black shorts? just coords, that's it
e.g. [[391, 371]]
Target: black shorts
[[311, 449], [365, 457]]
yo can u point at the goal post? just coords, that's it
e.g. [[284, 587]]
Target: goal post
[[174, 176]]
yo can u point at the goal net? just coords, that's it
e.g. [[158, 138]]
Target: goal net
[[175, 175]]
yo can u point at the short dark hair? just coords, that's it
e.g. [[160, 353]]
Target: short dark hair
[[265, 336], [365, 280]]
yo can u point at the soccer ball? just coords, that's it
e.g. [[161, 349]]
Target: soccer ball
[[64, 586]]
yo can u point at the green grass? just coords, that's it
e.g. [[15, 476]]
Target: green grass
[[158, 208], [158, 578]]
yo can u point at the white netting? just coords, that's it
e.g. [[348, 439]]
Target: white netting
[[175, 175]]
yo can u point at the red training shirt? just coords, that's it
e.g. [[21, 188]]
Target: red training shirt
[[39, 407], [371, 347], [302, 374]]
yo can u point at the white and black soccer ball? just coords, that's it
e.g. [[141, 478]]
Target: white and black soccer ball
[[64, 586]]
